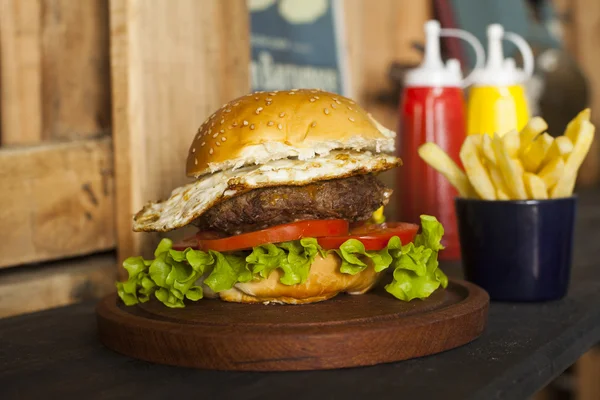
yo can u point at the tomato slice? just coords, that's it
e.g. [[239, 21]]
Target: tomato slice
[[275, 234], [373, 236]]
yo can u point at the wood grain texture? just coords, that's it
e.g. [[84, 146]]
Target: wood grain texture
[[587, 372], [212, 334], [75, 69], [173, 64], [581, 30], [55, 70], [20, 71], [56, 284], [56, 201]]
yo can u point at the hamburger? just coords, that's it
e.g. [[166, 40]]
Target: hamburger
[[286, 199]]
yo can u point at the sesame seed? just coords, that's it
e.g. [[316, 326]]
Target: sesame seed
[[234, 124], [228, 110], [313, 91], [268, 103], [212, 124], [312, 99], [282, 114], [317, 97], [294, 90], [222, 131], [268, 99], [313, 124], [351, 119], [270, 123], [337, 101], [349, 108], [326, 111], [223, 120], [193, 149], [195, 161], [212, 116], [245, 123], [223, 138], [280, 126], [351, 102], [215, 135], [333, 106], [218, 143], [209, 132], [292, 93], [258, 110], [256, 98], [202, 144], [273, 93], [236, 104], [211, 151], [251, 126], [224, 105]]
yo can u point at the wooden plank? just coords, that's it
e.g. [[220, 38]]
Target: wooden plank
[[582, 28], [587, 373], [380, 33], [20, 72], [56, 284], [173, 64], [56, 201], [75, 69], [55, 69]]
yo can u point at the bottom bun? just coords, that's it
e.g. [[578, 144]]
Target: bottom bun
[[324, 282]]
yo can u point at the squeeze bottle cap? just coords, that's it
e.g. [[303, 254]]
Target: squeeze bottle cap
[[499, 71], [433, 71]]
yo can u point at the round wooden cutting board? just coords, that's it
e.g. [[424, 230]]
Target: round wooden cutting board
[[346, 331]]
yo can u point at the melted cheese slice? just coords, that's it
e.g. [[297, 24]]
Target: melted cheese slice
[[189, 202]]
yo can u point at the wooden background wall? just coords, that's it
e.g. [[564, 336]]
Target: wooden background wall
[[100, 98]]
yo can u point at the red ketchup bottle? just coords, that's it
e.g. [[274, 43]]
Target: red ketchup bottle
[[432, 110]]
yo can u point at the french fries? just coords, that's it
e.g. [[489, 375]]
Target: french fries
[[530, 164], [475, 169], [433, 155]]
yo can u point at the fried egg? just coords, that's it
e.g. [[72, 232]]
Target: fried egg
[[188, 202]]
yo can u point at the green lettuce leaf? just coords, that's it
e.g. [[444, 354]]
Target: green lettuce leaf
[[174, 276]]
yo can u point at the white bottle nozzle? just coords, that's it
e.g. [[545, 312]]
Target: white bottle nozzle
[[432, 58], [495, 33], [499, 71], [433, 71]]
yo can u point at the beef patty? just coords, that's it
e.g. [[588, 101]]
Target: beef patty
[[353, 199]]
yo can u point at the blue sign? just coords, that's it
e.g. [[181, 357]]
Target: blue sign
[[297, 44]]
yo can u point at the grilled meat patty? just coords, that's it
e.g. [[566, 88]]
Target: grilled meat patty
[[353, 199]]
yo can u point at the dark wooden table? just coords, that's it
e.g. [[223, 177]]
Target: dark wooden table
[[55, 353]]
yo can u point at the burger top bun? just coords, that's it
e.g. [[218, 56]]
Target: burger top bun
[[265, 126]]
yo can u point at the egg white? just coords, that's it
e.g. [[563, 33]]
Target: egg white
[[190, 201]]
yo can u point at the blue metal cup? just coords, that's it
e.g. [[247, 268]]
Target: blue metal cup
[[517, 250]]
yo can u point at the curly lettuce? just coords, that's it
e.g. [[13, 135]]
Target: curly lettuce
[[173, 276]]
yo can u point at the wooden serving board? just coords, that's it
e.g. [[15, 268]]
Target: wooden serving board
[[346, 331]]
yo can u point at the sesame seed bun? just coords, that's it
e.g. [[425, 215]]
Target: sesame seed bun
[[265, 126], [324, 282]]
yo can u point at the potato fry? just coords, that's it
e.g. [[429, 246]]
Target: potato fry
[[511, 142], [536, 188], [552, 172], [498, 180], [533, 157], [534, 127], [487, 150], [433, 155], [475, 169], [510, 170], [574, 126], [561, 147], [501, 195], [566, 183]]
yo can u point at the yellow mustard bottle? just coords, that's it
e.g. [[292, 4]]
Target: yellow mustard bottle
[[497, 102]]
